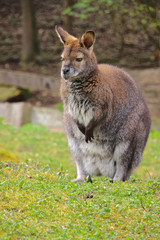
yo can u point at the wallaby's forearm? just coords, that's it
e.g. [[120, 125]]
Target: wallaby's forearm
[[98, 117]]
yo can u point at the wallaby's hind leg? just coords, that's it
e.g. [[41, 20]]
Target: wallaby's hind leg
[[81, 173], [140, 139], [121, 161], [134, 164], [120, 173], [129, 160], [77, 157]]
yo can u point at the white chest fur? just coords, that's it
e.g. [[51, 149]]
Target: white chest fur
[[80, 109]]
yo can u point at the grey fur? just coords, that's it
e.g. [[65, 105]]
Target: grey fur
[[106, 119]]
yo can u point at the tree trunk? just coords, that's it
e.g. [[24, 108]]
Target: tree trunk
[[30, 46], [67, 19]]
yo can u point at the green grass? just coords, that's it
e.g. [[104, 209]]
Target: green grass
[[38, 201], [59, 106]]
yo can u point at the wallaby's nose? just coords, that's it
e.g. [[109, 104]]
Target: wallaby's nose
[[65, 70]]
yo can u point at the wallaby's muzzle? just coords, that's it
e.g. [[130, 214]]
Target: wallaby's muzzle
[[65, 72]]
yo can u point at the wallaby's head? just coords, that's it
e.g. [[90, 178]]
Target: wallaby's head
[[78, 59]]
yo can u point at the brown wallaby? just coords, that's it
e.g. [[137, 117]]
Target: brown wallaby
[[106, 119]]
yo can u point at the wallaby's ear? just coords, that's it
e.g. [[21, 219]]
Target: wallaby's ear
[[63, 35], [88, 39]]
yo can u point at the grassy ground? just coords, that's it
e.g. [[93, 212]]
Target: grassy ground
[[38, 201]]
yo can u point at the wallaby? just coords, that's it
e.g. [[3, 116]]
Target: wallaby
[[106, 119]]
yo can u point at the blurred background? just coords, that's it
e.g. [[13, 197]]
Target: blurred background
[[127, 35]]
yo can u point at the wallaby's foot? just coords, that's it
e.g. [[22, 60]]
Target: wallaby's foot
[[89, 179], [76, 180], [124, 179]]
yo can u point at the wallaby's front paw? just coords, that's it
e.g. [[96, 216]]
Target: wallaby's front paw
[[81, 127], [81, 180], [89, 135]]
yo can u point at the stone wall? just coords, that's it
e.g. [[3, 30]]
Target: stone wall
[[21, 113]]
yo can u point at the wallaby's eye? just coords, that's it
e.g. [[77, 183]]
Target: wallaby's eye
[[62, 59], [78, 59]]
